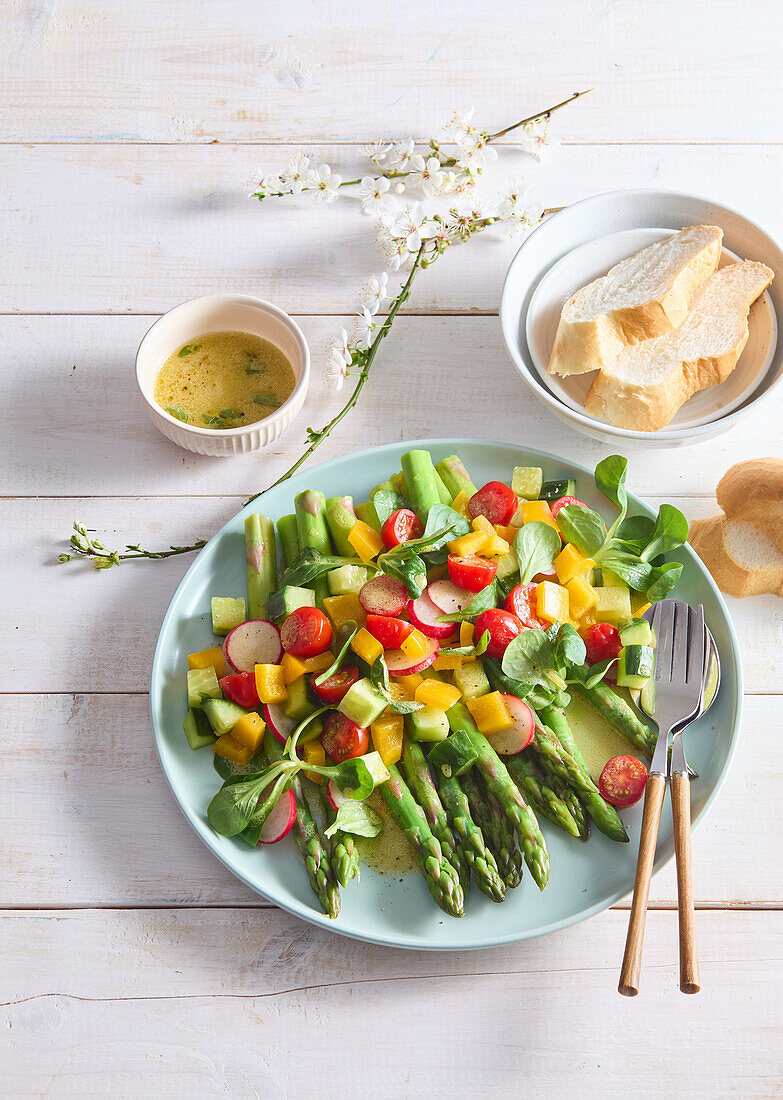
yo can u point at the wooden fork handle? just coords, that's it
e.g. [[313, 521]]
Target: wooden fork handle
[[651, 817], [681, 812]]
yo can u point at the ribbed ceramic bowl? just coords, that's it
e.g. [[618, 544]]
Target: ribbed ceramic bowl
[[223, 313]]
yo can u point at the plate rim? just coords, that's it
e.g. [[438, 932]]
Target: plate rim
[[319, 919], [582, 421]]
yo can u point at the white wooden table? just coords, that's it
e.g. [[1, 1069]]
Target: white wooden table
[[133, 963]]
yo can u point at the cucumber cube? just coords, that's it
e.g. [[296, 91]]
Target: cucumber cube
[[298, 704], [202, 684], [508, 565], [198, 730], [635, 666], [611, 580], [362, 703], [223, 715], [427, 724], [472, 680], [635, 632], [612, 605], [553, 490], [527, 482], [346, 580], [287, 599], [227, 613]]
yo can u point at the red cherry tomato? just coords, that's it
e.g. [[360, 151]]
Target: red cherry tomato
[[603, 642], [306, 632], [521, 602], [241, 689], [343, 739], [502, 627], [335, 687], [623, 780], [561, 503], [495, 501], [401, 526], [390, 632], [473, 573]]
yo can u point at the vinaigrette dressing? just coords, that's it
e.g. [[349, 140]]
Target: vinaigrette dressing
[[224, 380]]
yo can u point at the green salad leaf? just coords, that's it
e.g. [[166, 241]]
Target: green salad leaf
[[310, 563], [467, 650], [387, 501], [443, 526], [482, 601], [536, 546], [356, 818], [379, 677]]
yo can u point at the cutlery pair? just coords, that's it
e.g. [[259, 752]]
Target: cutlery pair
[[681, 650]]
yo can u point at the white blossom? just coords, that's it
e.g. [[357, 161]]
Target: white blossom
[[340, 359], [475, 150], [373, 194], [375, 293], [538, 145], [375, 150], [295, 172], [426, 175], [459, 125], [366, 326], [325, 183], [399, 155]]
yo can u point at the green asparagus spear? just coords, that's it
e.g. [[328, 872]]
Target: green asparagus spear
[[540, 795], [420, 481], [557, 722], [420, 781], [455, 477], [344, 853], [289, 539], [341, 517], [619, 716], [315, 854], [498, 830], [261, 554], [502, 786], [575, 806], [442, 879], [310, 508], [471, 839]]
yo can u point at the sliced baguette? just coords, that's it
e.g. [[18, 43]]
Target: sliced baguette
[[643, 296], [645, 385], [742, 558]]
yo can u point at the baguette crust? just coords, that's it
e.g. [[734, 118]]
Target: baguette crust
[[708, 538], [583, 345]]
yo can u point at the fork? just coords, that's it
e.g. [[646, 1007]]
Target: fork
[[679, 666]]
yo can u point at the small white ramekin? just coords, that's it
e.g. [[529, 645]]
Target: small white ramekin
[[223, 313]]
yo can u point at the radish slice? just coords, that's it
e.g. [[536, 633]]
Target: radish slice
[[279, 723], [423, 613], [383, 595], [334, 795], [517, 737], [281, 820], [448, 598], [400, 664], [256, 642]]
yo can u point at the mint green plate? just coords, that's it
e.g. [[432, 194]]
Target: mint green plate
[[585, 878]]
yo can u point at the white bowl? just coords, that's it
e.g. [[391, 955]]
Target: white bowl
[[583, 241], [223, 313]]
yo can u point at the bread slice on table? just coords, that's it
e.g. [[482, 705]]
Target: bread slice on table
[[643, 296], [742, 558], [644, 386]]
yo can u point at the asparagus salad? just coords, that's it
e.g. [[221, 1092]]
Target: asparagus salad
[[426, 645]]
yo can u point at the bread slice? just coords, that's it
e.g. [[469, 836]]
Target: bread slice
[[644, 386], [742, 558], [643, 296], [757, 481]]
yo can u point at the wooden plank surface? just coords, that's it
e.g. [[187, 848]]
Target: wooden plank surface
[[106, 829], [172, 222], [256, 1004], [241, 70]]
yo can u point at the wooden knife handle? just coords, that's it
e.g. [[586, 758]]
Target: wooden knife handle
[[681, 812], [651, 817]]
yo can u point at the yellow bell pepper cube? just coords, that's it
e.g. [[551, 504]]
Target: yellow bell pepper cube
[[292, 668], [409, 683], [230, 749], [587, 620], [208, 658], [481, 524], [467, 545], [495, 547], [270, 684], [249, 730], [399, 692], [366, 542], [581, 597], [530, 510], [552, 602], [434, 693], [445, 662], [571, 563], [639, 604], [386, 734], [366, 646], [415, 645], [490, 713], [343, 609], [313, 753], [460, 503], [508, 533], [319, 663], [467, 633]]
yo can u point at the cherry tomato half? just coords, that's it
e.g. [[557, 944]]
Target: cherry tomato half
[[390, 632], [603, 642], [343, 739], [521, 602], [502, 627], [401, 526], [472, 573], [561, 503], [336, 686], [496, 501], [623, 780], [241, 689], [306, 632]]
